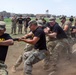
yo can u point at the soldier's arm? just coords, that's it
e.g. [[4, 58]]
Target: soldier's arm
[[6, 42], [74, 31], [52, 35], [30, 41], [65, 28], [27, 35], [46, 30]]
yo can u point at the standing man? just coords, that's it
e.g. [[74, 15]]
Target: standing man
[[1, 18], [5, 41], [71, 19], [26, 26], [20, 24], [14, 26], [40, 49]]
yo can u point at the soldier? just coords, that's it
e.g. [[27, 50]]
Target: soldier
[[41, 23], [44, 21], [5, 42], [27, 21], [20, 24], [40, 49], [27, 48], [73, 31], [14, 26], [59, 47], [1, 18], [67, 25], [71, 19]]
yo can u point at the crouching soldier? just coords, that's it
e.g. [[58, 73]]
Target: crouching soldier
[[57, 45]]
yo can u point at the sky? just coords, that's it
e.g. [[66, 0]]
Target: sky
[[55, 7]]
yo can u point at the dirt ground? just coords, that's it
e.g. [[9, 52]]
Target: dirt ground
[[64, 67]]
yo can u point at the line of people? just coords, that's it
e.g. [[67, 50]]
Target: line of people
[[19, 22], [49, 42], [58, 43]]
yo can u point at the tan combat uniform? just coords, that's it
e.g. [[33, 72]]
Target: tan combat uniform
[[14, 26]]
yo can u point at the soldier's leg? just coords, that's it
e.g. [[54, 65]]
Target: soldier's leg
[[33, 58], [15, 29], [12, 29], [28, 47], [50, 46], [18, 62], [3, 69], [68, 47], [55, 57], [3, 72], [21, 28], [18, 28], [59, 52], [25, 29]]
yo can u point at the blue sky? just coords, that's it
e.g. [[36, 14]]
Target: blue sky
[[55, 7]]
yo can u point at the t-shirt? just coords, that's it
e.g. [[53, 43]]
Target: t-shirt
[[71, 19], [41, 44], [20, 20], [27, 21], [4, 49], [56, 28]]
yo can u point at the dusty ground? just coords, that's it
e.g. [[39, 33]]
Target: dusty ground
[[64, 67]]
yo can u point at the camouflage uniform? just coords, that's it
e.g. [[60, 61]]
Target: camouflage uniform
[[26, 21], [58, 49], [32, 57], [13, 27], [3, 68], [20, 24], [68, 33], [50, 46], [27, 48]]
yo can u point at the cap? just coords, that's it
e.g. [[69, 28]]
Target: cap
[[62, 17], [39, 25], [51, 19], [39, 22], [2, 25], [32, 22]]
